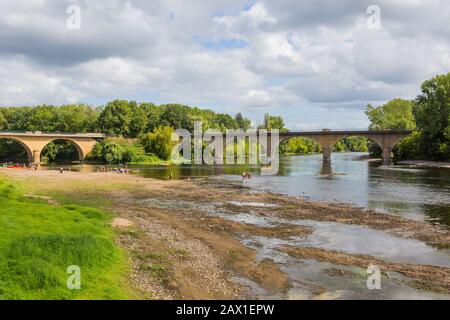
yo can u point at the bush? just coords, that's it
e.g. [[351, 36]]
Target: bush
[[158, 142], [121, 150], [409, 147]]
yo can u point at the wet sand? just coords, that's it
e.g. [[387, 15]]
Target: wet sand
[[204, 239]]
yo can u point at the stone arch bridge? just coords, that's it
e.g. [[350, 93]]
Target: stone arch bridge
[[35, 142], [386, 140]]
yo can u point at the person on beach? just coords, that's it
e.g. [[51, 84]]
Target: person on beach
[[61, 170]]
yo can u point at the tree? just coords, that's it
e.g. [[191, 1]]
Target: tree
[[11, 150], [395, 114], [432, 112], [242, 123], [223, 122], [3, 124], [158, 142], [299, 145], [112, 152], [139, 120], [273, 122], [352, 144], [43, 118], [153, 114], [177, 116], [59, 151], [116, 118], [77, 118]]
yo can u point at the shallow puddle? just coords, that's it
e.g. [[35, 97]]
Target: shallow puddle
[[311, 279], [353, 239]]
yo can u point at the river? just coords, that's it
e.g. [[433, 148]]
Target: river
[[420, 194]]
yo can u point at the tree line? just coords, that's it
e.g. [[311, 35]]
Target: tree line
[[143, 130], [124, 118]]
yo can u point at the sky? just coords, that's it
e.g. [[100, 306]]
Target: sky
[[316, 63]]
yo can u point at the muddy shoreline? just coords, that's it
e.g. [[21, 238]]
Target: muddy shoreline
[[208, 239]]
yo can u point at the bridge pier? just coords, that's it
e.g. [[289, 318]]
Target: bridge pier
[[326, 159], [386, 155], [36, 157]]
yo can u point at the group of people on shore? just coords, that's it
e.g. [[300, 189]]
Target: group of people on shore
[[116, 170]]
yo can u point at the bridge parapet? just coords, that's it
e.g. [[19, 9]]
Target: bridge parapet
[[49, 134]]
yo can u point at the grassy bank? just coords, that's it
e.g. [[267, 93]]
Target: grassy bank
[[40, 240]]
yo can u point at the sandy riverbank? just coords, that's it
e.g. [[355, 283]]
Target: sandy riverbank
[[199, 239]]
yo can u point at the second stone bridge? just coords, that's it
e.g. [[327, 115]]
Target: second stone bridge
[[386, 140]]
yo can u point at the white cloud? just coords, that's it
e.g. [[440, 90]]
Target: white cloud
[[314, 62]]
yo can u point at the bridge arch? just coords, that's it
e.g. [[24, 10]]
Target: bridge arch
[[371, 139], [79, 149], [35, 142], [23, 144]]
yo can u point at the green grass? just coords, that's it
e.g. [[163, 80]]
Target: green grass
[[38, 241]]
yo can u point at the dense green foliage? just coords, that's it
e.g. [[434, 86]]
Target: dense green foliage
[[158, 142], [428, 115], [119, 117], [395, 114], [12, 151], [131, 119], [299, 145], [273, 123], [432, 114], [67, 118], [120, 151], [352, 144], [39, 241], [59, 151]]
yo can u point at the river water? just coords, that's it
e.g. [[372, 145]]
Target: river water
[[414, 193], [421, 194]]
